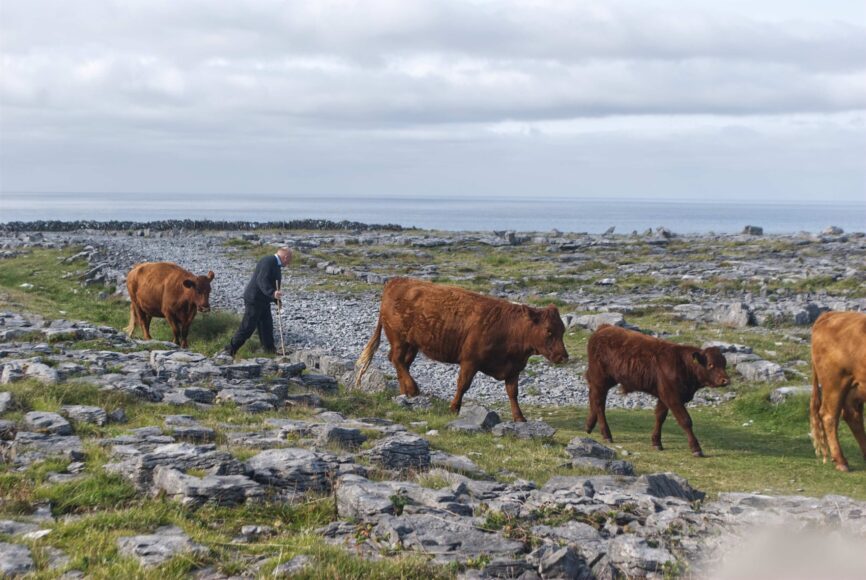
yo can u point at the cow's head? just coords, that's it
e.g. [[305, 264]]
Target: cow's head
[[546, 332], [709, 366], [199, 290]]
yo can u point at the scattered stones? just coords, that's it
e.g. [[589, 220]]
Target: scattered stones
[[524, 430]]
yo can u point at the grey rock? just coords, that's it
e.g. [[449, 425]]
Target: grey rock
[[42, 373], [753, 231], [5, 401], [298, 470], [242, 370], [45, 422], [524, 430], [458, 463], [419, 402], [736, 315], [588, 541], [832, 231], [7, 430], [15, 560], [193, 433], [563, 562], [304, 400], [13, 528], [401, 452], [321, 383], [762, 371], [154, 549], [344, 437], [782, 394], [295, 566], [28, 447], [446, 539], [199, 395], [507, 568], [593, 321], [632, 556], [475, 419], [612, 466], [228, 490], [290, 370], [586, 447], [85, 414], [180, 456], [360, 498]]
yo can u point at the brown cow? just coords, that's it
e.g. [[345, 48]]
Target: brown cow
[[166, 290], [453, 325], [839, 367], [672, 373]]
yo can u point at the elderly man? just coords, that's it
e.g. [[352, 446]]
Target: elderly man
[[261, 291]]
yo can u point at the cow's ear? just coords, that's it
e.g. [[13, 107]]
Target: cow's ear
[[189, 283], [535, 315], [699, 358], [210, 275]]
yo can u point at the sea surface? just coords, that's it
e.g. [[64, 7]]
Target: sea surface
[[593, 215]]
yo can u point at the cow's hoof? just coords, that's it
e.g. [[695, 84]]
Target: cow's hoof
[[843, 468], [698, 453], [607, 440], [658, 447], [454, 410]]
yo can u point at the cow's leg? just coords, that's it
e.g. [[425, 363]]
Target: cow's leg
[[852, 412], [464, 379], [599, 384], [685, 421], [661, 415], [143, 319], [402, 356], [184, 333], [174, 323], [511, 389], [831, 408]]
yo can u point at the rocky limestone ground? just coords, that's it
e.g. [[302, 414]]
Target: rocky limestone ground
[[393, 491], [690, 277]]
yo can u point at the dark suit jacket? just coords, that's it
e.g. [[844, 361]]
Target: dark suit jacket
[[263, 284]]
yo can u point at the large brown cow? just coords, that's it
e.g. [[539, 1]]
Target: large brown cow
[[453, 325], [166, 290], [673, 373], [838, 382]]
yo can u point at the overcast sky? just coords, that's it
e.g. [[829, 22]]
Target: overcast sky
[[436, 98]]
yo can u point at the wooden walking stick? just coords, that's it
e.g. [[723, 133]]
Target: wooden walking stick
[[280, 322]]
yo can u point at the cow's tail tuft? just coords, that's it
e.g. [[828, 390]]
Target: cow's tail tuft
[[130, 328], [819, 435], [366, 357]]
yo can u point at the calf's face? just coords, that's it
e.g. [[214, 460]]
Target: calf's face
[[547, 331], [199, 291], [710, 366]]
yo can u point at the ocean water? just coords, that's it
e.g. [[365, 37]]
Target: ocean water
[[593, 215]]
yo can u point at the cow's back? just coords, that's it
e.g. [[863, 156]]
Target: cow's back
[[839, 343], [436, 318], [153, 284]]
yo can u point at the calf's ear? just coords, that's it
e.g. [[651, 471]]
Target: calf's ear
[[699, 358], [210, 275], [189, 283]]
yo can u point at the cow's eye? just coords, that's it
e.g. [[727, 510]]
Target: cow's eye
[[711, 365]]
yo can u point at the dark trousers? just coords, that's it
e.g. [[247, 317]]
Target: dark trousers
[[257, 317]]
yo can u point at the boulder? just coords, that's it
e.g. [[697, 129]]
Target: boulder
[[524, 430], [15, 560], [228, 490], [782, 394], [474, 419], [45, 422], [293, 469], [586, 447], [761, 371], [401, 452], [85, 414], [154, 549]]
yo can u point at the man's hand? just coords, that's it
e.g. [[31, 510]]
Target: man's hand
[[277, 295]]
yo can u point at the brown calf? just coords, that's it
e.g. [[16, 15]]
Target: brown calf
[[671, 372], [453, 325], [165, 290], [838, 382]]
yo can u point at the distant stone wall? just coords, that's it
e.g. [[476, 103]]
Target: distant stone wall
[[195, 225]]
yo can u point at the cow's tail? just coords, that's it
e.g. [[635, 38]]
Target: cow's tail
[[819, 435], [366, 357], [130, 328]]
